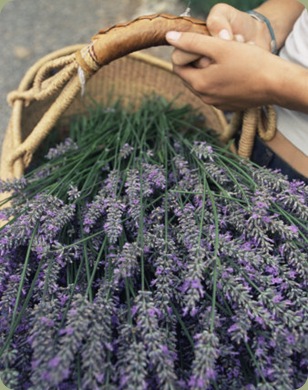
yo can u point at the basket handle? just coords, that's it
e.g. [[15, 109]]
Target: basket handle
[[144, 32], [73, 71]]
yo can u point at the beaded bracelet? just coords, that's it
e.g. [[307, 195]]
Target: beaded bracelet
[[262, 18]]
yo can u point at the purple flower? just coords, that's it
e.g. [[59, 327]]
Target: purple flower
[[61, 149], [157, 263], [54, 363], [278, 298], [47, 321], [126, 150], [293, 229]]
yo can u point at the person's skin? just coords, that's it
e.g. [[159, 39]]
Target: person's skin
[[233, 68]]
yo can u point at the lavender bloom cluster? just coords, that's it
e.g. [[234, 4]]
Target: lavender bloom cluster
[[153, 267]]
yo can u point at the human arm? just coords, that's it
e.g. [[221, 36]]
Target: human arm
[[227, 22], [236, 75], [282, 15]]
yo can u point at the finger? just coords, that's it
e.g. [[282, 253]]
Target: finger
[[201, 63], [224, 34], [182, 58], [190, 75], [219, 21], [239, 38], [194, 43]]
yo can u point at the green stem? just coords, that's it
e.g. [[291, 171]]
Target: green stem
[[216, 247], [23, 274], [23, 309], [98, 258]]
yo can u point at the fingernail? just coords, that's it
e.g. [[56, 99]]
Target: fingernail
[[224, 34], [173, 35], [239, 38]]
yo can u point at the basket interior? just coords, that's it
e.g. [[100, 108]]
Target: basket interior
[[129, 79]]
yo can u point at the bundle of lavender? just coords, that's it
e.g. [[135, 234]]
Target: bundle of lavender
[[142, 255]]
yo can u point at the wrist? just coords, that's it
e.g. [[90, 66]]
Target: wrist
[[291, 91], [266, 29], [286, 86]]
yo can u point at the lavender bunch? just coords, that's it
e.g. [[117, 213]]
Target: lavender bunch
[[141, 254]]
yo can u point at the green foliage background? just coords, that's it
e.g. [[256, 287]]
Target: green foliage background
[[2, 4], [305, 2], [204, 6]]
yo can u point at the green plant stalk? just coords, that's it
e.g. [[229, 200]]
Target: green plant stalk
[[23, 274], [85, 256], [22, 311], [216, 258], [81, 170], [98, 258]]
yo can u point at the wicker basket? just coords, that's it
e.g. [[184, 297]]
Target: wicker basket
[[129, 78], [106, 72]]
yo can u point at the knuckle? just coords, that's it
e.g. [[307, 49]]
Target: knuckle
[[218, 16], [199, 85], [214, 22]]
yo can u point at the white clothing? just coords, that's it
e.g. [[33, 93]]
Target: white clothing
[[293, 124]]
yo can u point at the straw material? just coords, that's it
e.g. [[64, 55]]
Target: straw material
[[49, 94], [37, 108], [133, 77]]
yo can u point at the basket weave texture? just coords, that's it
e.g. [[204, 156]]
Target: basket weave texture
[[50, 89], [129, 78]]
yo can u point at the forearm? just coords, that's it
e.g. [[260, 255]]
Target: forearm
[[282, 15], [288, 86], [239, 76]]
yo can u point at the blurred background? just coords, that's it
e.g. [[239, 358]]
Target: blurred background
[[205, 5], [30, 29]]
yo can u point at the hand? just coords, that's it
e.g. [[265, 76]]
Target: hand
[[228, 23], [231, 75]]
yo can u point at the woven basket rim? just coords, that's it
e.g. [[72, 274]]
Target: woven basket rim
[[163, 64], [21, 115]]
